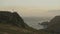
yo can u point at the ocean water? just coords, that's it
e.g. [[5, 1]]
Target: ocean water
[[34, 21]]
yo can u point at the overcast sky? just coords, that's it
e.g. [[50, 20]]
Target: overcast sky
[[37, 7], [38, 3]]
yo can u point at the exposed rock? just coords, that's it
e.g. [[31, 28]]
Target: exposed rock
[[14, 18]]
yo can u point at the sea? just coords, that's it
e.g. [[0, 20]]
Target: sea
[[34, 21]]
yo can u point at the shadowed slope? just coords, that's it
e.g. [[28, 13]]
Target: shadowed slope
[[12, 18]]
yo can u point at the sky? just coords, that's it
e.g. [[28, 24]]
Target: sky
[[31, 7]]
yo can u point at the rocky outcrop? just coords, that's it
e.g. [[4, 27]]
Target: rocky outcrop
[[44, 24], [13, 18]]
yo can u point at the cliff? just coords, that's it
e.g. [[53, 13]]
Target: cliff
[[54, 24], [12, 18]]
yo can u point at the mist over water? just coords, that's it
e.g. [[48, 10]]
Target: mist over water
[[33, 21]]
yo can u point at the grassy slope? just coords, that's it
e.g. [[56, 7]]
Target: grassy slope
[[10, 29]]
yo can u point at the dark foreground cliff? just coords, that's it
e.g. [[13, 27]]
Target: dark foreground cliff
[[12, 18]]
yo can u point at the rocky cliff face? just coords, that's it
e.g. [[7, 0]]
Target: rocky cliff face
[[11, 18], [54, 24]]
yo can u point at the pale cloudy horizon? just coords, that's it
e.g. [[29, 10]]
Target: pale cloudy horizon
[[31, 7]]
